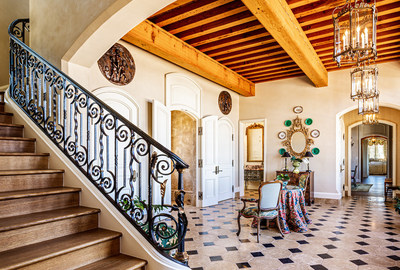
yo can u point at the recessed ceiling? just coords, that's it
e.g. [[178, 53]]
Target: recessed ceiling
[[228, 32]]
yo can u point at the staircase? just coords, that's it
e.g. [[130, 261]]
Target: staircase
[[42, 225]]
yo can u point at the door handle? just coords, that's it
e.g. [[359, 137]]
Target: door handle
[[217, 170]]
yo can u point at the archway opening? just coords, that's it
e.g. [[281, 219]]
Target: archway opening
[[183, 143]]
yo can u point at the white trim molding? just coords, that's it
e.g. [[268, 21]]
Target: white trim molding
[[326, 195]]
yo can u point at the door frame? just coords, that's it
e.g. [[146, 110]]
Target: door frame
[[242, 132], [229, 121], [348, 163]]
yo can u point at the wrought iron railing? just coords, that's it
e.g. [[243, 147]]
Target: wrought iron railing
[[121, 160]]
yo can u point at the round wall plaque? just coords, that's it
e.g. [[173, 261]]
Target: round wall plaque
[[298, 109], [282, 135], [117, 65], [225, 102]]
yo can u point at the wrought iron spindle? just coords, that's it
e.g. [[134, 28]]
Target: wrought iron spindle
[[97, 139]]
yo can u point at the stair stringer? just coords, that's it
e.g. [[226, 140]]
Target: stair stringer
[[132, 242]]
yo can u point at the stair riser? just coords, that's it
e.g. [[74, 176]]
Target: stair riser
[[30, 181], [34, 234], [79, 257], [24, 162], [11, 131], [7, 119], [13, 146], [36, 204]]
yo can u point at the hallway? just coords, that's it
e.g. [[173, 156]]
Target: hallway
[[377, 189]]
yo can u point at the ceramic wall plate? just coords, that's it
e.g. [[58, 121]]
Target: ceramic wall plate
[[315, 151], [288, 123], [282, 135], [282, 151], [314, 133], [308, 121], [298, 109]]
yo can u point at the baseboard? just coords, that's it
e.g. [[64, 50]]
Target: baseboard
[[326, 195]]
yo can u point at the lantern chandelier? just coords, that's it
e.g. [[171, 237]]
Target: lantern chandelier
[[355, 43], [354, 32]]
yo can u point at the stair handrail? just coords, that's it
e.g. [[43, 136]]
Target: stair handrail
[[75, 120]]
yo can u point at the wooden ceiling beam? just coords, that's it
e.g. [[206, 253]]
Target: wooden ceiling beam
[[208, 16], [263, 71], [171, 6], [278, 52], [280, 76], [235, 40], [277, 17], [223, 23], [274, 72], [265, 64], [240, 46], [156, 40], [231, 55], [225, 33], [185, 11]]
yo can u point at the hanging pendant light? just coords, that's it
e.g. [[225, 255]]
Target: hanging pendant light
[[370, 119], [354, 32], [368, 105], [364, 80]]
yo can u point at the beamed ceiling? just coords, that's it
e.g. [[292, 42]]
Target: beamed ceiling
[[238, 43]]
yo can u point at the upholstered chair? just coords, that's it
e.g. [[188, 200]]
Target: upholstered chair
[[303, 181], [267, 206]]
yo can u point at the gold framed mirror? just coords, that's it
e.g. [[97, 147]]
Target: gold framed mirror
[[298, 140], [255, 143]]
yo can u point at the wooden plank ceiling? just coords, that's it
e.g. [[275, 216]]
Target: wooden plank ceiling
[[228, 32]]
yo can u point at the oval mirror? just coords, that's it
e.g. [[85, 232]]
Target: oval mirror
[[298, 142]]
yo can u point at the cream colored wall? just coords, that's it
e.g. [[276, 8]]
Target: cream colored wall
[[56, 24], [149, 84], [10, 10], [275, 101]]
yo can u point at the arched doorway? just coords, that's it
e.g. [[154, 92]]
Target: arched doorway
[[349, 119]]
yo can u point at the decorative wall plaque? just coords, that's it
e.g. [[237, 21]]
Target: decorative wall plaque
[[225, 102], [117, 65]]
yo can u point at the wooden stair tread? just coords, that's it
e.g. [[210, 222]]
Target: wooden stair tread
[[17, 222], [11, 125], [118, 262], [7, 113], [26, 172], [35, 192], [23, 154], [18, 139], [26, 255]]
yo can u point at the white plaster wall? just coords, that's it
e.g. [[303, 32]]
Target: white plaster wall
[[275, 101]]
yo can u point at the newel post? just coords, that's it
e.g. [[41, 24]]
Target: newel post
[[181, 254]]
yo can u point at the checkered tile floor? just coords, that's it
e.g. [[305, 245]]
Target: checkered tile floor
[[360, 233]]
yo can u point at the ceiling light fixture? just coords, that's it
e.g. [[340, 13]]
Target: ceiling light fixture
[[364, 80], [354, 32]]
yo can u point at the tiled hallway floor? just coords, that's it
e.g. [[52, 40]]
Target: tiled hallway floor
[[361, 233]]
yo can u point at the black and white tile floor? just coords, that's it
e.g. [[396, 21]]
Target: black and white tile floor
[[360, 233]]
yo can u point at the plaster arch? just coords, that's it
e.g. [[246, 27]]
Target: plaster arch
[[387, 112], [117, 20]]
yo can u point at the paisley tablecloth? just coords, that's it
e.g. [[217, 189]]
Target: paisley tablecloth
[[292, 211]]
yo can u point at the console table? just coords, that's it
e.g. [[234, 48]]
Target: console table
[[294, 180]]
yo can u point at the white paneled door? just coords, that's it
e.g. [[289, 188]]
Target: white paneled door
[[161, 126], [225, 156], [209, 155]]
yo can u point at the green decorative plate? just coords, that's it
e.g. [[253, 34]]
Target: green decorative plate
[[288, 123], [282, 151], [308, 121], [315, 151]]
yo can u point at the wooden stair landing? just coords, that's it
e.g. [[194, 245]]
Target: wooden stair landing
[[42, 225]]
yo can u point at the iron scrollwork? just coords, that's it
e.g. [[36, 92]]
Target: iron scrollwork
[[111, 151]]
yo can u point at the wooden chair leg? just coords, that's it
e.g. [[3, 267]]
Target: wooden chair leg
[[279, 226], [238, 232], [258, 230], [267, 223]]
